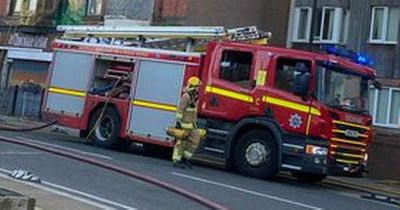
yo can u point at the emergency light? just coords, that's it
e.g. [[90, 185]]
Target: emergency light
[[356, 57]]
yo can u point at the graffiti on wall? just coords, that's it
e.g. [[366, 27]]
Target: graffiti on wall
[[25, 40]]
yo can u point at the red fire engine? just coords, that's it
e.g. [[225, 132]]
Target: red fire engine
[[265, 108]]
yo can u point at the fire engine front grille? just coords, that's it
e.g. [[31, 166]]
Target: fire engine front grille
[[348, 142]]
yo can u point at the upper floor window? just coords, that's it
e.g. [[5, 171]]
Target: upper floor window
[[236, 67], [302, 24], [333, 25], [330, 26], [94, 7], [286, 70], [48, 5], [384, 25], [21, 6]]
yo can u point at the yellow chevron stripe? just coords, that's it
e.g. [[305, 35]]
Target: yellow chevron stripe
[[351, 124], [153, 105], [347, 155], [352, 148], [315, 111], [229, 94], [347, 161], [348, 141], [69, 92], [291, 105]]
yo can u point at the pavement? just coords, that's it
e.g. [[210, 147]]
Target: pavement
[[376, 189], [45, 198]]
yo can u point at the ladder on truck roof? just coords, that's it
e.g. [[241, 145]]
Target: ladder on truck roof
[[151, 34]]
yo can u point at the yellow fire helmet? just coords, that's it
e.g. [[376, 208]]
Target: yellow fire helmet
[[193, 82]]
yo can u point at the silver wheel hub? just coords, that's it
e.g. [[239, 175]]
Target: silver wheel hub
[[105, 129], [256, 154]]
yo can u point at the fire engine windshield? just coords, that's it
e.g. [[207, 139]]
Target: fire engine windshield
[[342, 89]]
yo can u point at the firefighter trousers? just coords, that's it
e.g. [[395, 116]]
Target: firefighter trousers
[[185, 148]]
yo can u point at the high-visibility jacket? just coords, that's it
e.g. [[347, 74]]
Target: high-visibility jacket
[[186, 114]]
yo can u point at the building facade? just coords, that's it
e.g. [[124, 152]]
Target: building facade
[[373, 28], [199, 13]]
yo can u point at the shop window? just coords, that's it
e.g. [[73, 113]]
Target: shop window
[[384, 25], [236, 67], [286, 70], [34, 72]]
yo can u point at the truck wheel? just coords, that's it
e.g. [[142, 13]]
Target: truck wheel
[[256, 154], [107, 130], [309, 177]]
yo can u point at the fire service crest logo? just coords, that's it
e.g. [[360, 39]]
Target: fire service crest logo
[[295, 121]]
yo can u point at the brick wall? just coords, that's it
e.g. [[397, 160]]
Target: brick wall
[[270, 15], [171, 11], [4, 4], [131, 9], [384, 155]]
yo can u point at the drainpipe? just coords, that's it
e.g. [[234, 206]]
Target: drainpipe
[[313, 13]]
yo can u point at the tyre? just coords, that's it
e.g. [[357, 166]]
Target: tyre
[[309, 177], [106, 133], [256, 154]]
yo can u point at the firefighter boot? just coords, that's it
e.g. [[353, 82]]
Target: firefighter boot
[[179, 164], [187, 163], [177, 155]]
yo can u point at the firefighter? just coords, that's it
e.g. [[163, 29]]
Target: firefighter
[[186, 117]]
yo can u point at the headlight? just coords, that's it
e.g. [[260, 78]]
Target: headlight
[[316, 150]]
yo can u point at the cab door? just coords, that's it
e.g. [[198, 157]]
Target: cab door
[[231, 90], [290, 110]]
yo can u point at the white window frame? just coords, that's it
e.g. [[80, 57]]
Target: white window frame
[[297, 22], [340, 25], [385, 22], [20, 3], [375, 108], [336, 26]]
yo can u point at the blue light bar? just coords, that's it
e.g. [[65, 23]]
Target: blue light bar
[[353, 56]]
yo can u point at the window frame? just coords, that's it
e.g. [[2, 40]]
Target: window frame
[[32, 8], [385, 23], [13, 6], [252, 67], [340, 26], [374, 110], [298, 59], [341, 19], [297, 26], [87, 9]]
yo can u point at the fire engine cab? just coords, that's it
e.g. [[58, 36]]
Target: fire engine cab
[[265, 108]]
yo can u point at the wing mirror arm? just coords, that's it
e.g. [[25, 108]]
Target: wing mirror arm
[[377, 85]]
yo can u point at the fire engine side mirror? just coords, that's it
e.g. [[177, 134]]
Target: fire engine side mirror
[[377, 85], [301, 83]]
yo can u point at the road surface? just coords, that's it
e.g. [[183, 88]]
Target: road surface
[[121, 192]]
